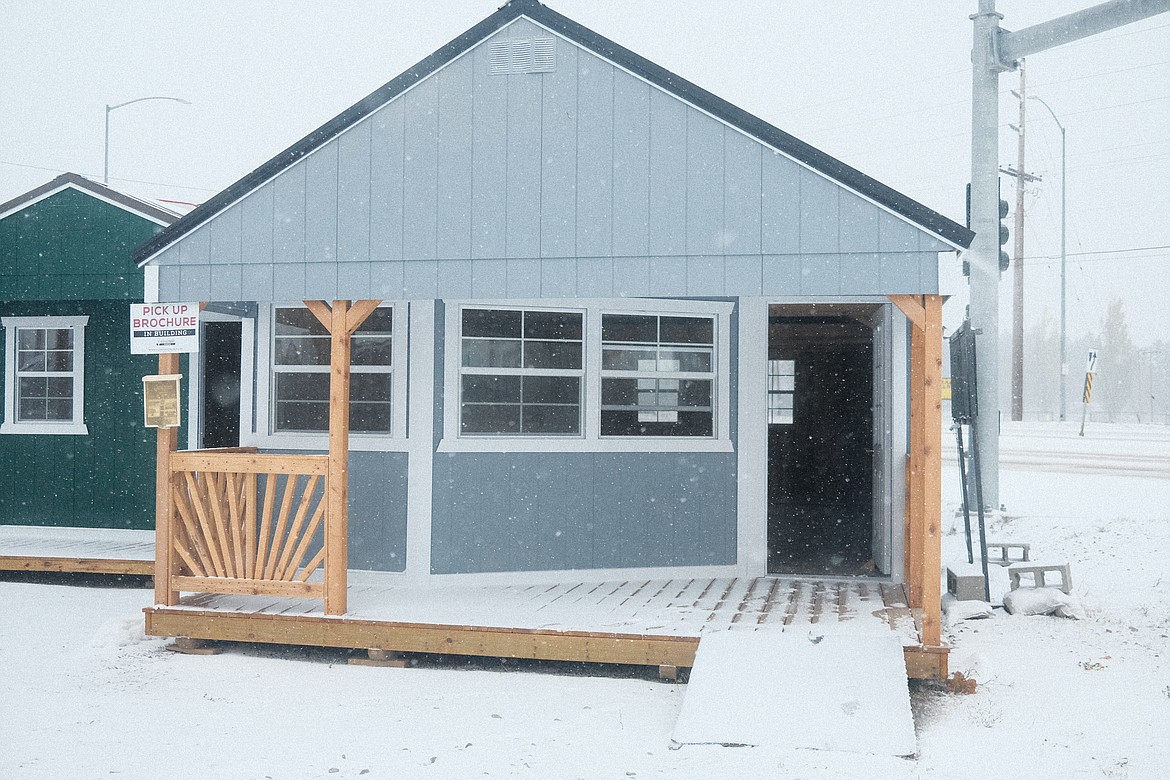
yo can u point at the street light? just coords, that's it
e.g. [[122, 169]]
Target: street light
[[1063, 256], [109, 108]]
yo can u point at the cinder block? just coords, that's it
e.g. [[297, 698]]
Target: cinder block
[[965, 585]]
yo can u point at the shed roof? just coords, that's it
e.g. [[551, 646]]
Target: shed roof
[[144, 209], [922, 216]]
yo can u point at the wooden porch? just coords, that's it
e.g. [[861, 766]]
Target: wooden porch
[[647, 622], [254, 534], [76, 550]]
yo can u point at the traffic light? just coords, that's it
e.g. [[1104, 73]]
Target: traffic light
[[1004, 235]]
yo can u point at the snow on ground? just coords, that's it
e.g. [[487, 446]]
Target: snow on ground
[[84, 694]]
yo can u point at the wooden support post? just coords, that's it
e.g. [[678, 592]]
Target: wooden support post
[[342, 321], [336, 514], [932, 474], [188, 646], [164, 545], [914, 501], [379, 657]]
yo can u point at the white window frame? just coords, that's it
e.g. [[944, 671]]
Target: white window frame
[[522, 371], [259, 432], [590, 439], [12, 425]]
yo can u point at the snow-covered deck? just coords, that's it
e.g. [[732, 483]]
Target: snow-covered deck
[[655, 622], [91, 550]]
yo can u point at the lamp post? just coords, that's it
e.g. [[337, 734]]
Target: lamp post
[[109, 108], [1063, 256]]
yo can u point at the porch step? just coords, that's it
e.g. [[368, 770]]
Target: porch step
[[836, 690]]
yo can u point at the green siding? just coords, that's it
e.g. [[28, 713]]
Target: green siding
[[68, 255], [71, 247]]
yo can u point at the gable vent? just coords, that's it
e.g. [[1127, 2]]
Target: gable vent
[[522, 55]]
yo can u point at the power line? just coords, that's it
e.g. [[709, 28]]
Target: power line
[[115, 178]]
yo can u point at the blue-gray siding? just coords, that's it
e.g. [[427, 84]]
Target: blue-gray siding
[[377, 511], [560, 511], [583, 182]]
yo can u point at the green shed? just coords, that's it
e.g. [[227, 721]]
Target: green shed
[[73, 449]]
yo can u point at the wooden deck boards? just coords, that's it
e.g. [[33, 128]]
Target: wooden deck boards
[[81, 550], [654, 622]]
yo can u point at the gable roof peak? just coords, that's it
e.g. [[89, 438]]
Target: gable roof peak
[[151, 211]]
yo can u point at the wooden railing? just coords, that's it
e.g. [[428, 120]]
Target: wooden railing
[[247, 523]]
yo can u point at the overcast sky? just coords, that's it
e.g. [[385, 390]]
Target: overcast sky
[[884, 86]]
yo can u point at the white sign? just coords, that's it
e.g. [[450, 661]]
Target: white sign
[[159, 328], [1091, 366]]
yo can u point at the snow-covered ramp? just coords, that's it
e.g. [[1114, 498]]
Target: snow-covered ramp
[[811, 689]]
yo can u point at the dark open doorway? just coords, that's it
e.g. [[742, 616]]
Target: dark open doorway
[[220, 356], [821, 440]]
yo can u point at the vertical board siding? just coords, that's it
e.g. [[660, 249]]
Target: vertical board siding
[[455, 129], [557, 511], [549, 185], [668, 167], [742, 189], [489, 152], [377, 510], [420, 171], [558, 170], [288, 216], [354, 167], [704, 188], [386, 185], [321, 206], [595, 158], [522, 190], [631, 165], [256, 227]]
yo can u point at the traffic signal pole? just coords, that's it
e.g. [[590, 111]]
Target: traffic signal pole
[[995, 51]]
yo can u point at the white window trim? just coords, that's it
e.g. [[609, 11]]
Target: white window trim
[[590, 440], [76, 426], [259, 433]]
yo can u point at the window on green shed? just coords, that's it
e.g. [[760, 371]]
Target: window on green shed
[[44, 386]]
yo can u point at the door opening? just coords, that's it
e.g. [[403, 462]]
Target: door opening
[[821, 444], [220, 397]]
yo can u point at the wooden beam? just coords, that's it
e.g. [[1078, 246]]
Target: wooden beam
[[911, 306], [914, 498], [358, 314], [321, 311], [321, 631], [926, 663], [337, 489], [932, 473], [76, 565], [164, 552], [247, 587], [244, 463]]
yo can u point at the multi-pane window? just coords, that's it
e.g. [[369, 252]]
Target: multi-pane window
[[300, 372], [520, 371], [45, 372], [657, 375], [781, 389]]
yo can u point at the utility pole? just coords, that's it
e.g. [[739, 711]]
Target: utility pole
[[1018, 271], [994, 51]]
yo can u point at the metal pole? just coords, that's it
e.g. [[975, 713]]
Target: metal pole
[[983, 256], [109, 108], [1018, 270], [1063, 259], [106, 154]]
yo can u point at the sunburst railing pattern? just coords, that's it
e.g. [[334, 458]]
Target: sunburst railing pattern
[[248, 523]]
